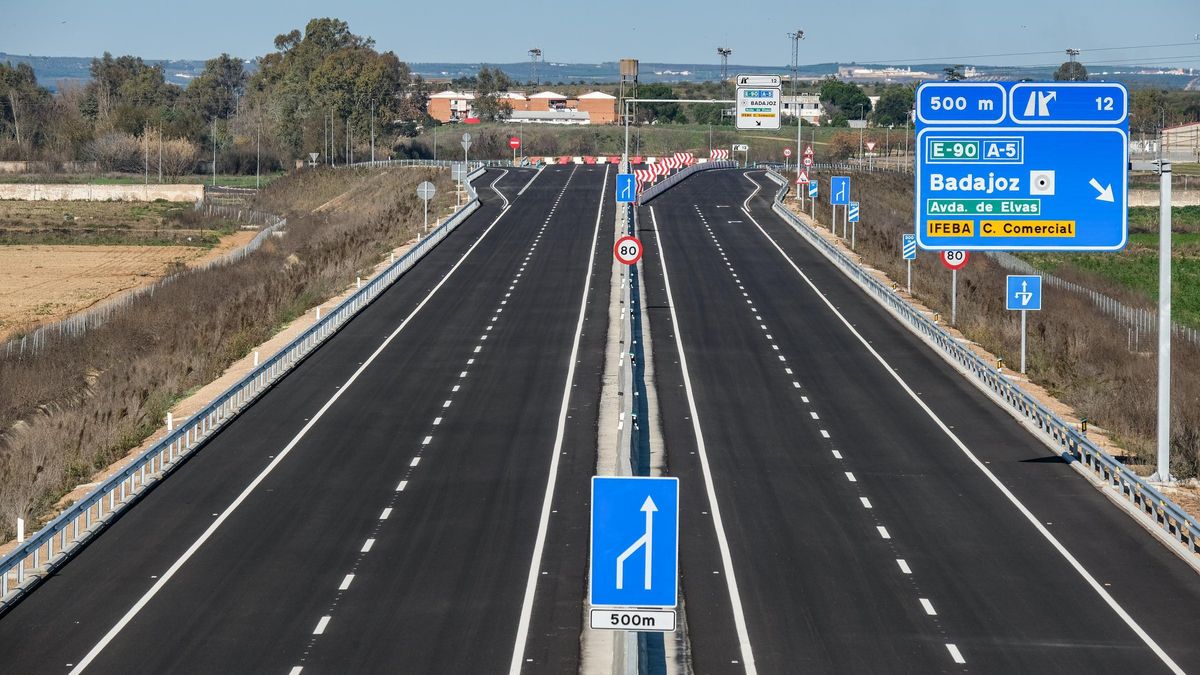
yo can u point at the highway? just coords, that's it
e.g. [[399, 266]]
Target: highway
[[849, 502], [411, 499]]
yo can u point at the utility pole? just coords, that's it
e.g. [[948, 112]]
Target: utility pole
[[534, 55], [146, 153], [372, 131], [796, 38], [258, 153], [214, 139], [861, 109], [160, 141], [724, 53]]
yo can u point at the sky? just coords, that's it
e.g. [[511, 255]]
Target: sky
[[671, 31]]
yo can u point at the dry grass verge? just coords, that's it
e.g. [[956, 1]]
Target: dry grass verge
[[75, 407]]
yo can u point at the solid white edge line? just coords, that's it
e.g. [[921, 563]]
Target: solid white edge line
[[535, 563], [735, 598], [1037, 524], [253, 485]]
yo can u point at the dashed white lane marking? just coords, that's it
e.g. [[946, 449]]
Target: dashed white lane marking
[[788, 371], [367, 546], [814, 415], [850, 477], [278, 459], [478, 348], [321, 626], [865, 502], [739, 617], [824, 434], [400, 487], [437, 421], [470, 362], [836, 454], [349, 578], [781, 358], [386, 513], [925, 603], [804, 399], [795, 384], [539, 544], [446, 404], [426, 440], [296, 670], [1020, 506], [415, 461], [903, 565], [883, 532], [463, 374], [455, 388], [955, 654]]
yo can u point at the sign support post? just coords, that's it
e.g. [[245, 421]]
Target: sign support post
[[1023, 341], [953, 297]]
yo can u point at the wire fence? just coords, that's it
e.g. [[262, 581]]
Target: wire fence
[[1139, 321], [81, 322]]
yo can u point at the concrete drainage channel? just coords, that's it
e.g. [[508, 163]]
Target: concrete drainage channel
[[54, 545]]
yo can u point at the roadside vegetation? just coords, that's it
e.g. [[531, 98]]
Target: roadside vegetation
[[83, 402], [1079, 355], [158, 223]]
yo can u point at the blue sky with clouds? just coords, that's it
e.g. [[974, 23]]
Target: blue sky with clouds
[[655, 30]]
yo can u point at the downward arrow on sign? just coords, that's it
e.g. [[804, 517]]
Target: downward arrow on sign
[[1106, 194]]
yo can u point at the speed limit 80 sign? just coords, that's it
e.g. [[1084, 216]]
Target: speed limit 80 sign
[[955, 259], [628, 250]]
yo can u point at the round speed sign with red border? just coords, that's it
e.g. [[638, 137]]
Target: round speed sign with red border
[[628, 250], [955, 260], [787, 152], [514, 142]]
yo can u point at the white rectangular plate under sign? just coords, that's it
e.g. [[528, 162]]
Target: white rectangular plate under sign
[[662, 621]]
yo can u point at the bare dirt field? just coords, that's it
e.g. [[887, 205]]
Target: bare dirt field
[[43, 283]]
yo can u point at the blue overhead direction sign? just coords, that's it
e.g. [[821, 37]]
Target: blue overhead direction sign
[[626, 188], [839, 190], [852, 212], [635, 542], [1043, 167], [812, 189], [908, 246], [1023, 292]]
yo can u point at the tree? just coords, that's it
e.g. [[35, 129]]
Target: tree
[[895, 104], [1071, 71], [23, 106], [126, 93], [657, 113], [844, 99], [711, 113], [215, 93], [954, 73], [490, 82], [841, 146]]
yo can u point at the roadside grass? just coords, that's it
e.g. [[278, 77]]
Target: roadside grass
[[1076, 353], [83, 402]]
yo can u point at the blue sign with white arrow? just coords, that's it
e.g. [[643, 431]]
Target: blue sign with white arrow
[[852, 212], [908, 246], [635, 542], [1022, 166], [839, 190], [812, 189], [1023, 291], [626, 188]]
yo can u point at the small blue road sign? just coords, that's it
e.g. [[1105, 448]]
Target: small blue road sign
[[908, 246], [812, 189], [852, 212], [839, 190], [1024, 291], [635, 542], [626, 188], [1022, 166]]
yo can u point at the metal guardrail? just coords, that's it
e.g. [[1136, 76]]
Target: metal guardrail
[[658, 188], [1073, 445], [52, 546], [444, 163]]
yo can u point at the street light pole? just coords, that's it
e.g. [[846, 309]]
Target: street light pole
[[796, 38]]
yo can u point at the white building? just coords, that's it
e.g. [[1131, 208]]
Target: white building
[[807, 105]]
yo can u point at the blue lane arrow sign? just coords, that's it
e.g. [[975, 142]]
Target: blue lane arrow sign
[[626, 188], [852, 212], [635, 542], [839, 190], [1023, 291]]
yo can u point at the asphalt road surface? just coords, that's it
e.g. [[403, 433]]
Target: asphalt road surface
[[851, 504], [380, 509]]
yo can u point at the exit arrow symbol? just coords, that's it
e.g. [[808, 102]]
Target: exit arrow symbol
[[1106, 194]]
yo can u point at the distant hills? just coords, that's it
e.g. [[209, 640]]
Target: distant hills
[[55, 70]]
